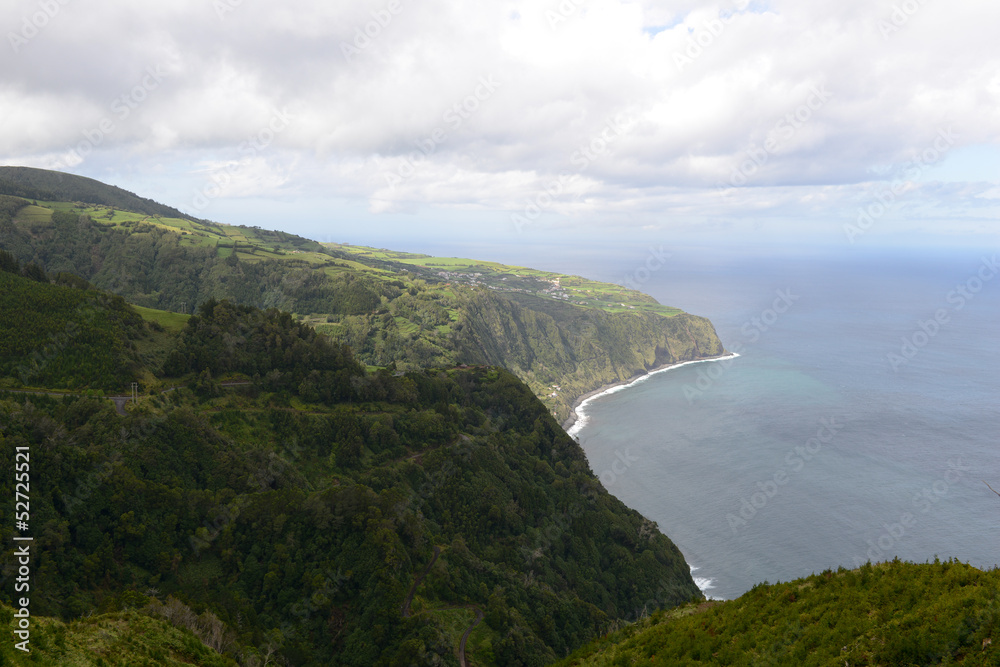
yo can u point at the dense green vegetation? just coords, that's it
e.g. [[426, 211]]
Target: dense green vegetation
[[887, 614], [269, 346], [563, 335], [119, 639], [293, 513], [65, 338]]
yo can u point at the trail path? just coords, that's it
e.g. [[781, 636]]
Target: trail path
[[416, 583], [413, 589], [465, 637], [119, 401]]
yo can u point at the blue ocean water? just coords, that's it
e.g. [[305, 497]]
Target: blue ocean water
[[858, 422]]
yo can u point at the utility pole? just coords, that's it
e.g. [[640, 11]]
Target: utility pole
[[135, 392]]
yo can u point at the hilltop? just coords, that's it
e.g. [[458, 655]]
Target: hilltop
[[563, 335], [47, 185], [892, 613]]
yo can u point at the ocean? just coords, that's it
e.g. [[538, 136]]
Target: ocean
[[859, 421]]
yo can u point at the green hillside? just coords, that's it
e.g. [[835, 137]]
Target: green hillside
[[134, 638], [66, 338], [49, 185], [313, 511], [944, 613], [563, 335]]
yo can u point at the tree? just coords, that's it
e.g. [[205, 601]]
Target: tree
[[9, 263], [34, 272]]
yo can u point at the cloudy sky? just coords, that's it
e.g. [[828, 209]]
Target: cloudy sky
[[848, 122]]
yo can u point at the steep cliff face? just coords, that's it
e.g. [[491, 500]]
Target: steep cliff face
[[564, 336], [562, 351]]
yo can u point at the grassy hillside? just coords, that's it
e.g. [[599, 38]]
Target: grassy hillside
[[324, 514], [887, 614], [513, 280], [134, 638], [67, 338], [49, 185], [563, 335]]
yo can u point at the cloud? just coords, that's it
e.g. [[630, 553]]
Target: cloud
[[709, 86]]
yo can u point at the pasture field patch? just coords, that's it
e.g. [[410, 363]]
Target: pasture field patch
[[34, 215]]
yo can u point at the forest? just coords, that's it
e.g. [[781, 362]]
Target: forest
[[284, 500]]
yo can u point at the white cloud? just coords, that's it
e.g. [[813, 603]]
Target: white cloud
[[709, 84]]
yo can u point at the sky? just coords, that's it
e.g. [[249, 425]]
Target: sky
[[847, 124]]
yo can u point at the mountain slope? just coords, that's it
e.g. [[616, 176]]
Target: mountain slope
[[67, 338], [326, 514], [563, 335], [47, 185], [119, 639], [888, 614]]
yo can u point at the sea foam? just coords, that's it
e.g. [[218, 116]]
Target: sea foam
[[704, 584], [581, 414]]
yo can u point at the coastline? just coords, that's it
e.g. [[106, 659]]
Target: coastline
[[578, 418]]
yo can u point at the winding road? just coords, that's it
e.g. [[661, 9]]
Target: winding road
[[416, 582], [465, 637]]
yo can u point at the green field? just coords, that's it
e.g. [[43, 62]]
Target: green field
[[34, 214], [172, 322], [252, 244], [122, 638], [574, 290]]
